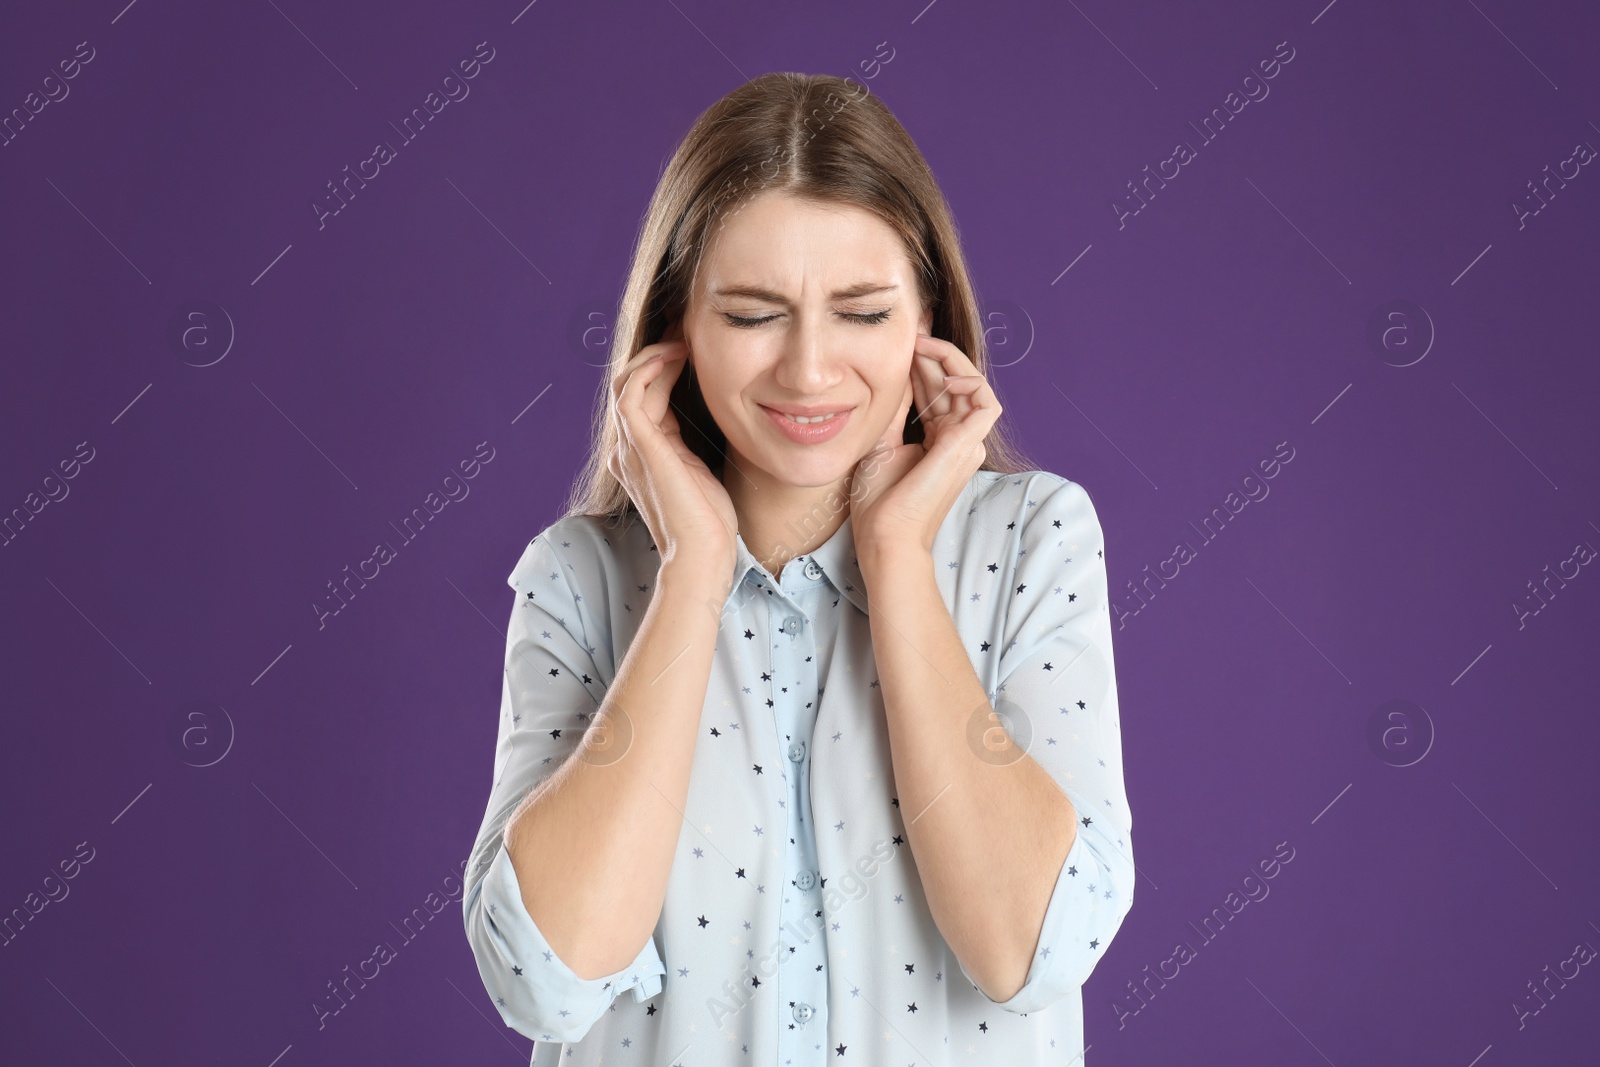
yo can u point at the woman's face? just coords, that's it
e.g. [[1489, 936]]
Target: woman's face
[[799, 304]]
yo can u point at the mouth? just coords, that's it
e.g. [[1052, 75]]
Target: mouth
[[803, 426]]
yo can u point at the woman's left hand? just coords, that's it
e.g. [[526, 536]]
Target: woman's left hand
[[901, 493]]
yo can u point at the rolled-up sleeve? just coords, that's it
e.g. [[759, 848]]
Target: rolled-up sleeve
[[1057, 699], [537, 993], [551, 689]]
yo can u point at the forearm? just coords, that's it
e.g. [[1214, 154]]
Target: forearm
[[988, 834], [593, 845]]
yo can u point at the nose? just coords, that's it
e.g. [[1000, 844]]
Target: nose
[[806, 364]]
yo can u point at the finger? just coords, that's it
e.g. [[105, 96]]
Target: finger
[[979, 425], [954, 360], [973, 386], [968, 394], [664, 350], [631, 364], [651, 426], [637, 425], [658, 387], [935, 403], [638, 380], [944, 360], [919, 392], [973, 415], [621, 431], [938, 359], [669, 423], [620, 469]]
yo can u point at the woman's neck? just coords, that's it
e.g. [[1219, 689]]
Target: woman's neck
[[779, 521]]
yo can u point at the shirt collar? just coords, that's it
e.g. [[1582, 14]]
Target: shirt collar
[[836, 556]]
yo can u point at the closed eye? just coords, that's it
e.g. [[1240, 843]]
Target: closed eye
[[873, 318]]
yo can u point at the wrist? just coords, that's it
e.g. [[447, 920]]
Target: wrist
[[889, 557], [700, 573]]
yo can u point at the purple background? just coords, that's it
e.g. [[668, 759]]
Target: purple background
[[445, 305]]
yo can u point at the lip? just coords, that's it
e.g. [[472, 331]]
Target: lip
[[806, 410], [807, 435]]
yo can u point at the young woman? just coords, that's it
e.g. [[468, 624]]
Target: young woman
[[809, 737]]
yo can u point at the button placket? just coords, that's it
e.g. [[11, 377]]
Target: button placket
[[802, 973]]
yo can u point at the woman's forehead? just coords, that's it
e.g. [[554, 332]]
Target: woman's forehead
[[795, 248]]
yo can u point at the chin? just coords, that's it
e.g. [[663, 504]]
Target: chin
[[808, 467], [810, 473]]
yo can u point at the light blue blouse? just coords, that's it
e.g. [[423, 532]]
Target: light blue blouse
[[795, 931]]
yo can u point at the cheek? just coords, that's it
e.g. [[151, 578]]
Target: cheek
[[720, 384], [899, 353], [893, 382]]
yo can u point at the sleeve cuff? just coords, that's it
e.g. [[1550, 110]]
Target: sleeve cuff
[[537, 993], [1079, 921]]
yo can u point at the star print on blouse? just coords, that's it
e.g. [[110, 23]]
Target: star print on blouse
[[793, 668]]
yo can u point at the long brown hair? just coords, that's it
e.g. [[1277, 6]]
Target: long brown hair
[[814, 136]]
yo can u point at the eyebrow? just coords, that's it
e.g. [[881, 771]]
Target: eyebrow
[[848, 293]]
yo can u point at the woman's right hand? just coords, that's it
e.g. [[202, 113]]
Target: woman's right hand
[[689, 513]]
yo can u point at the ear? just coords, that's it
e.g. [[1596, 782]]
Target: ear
[[925, 324]]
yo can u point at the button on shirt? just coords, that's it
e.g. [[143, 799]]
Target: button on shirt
[[795, 930]]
